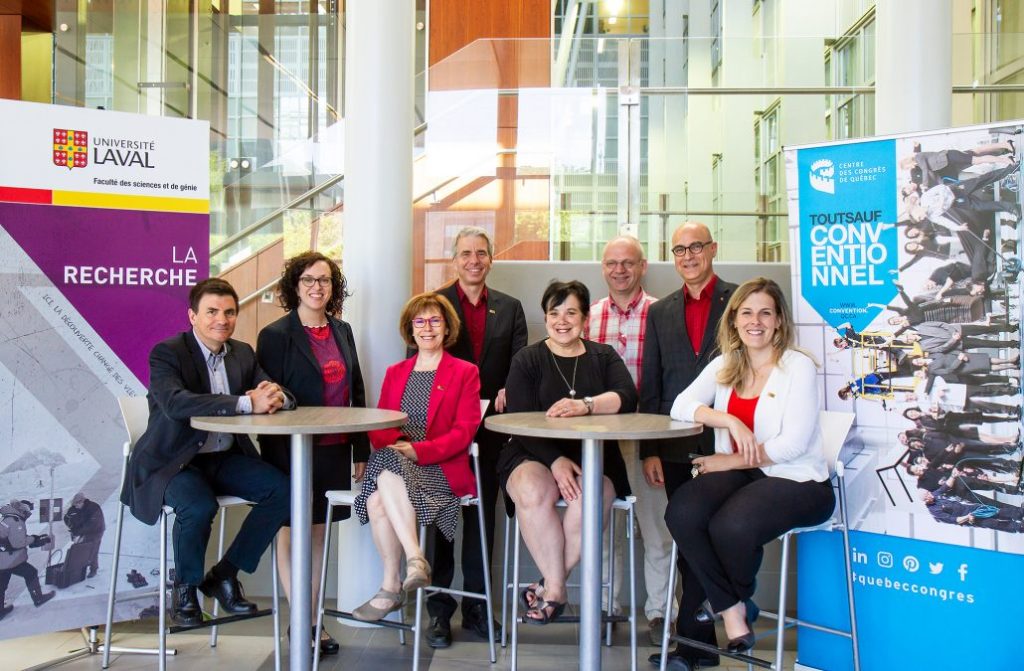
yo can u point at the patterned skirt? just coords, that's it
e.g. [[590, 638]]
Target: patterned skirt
[[428, 490]]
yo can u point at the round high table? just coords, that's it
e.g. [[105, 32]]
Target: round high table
[[302, 424], [592, 430]]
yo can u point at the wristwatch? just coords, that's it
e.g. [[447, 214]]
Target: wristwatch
[[589, 402]]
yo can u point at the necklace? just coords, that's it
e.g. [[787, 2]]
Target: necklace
[[571, 387]]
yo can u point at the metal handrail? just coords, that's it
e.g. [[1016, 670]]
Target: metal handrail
[[259, 292], [290, 205]]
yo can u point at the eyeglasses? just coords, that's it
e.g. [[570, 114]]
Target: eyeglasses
[[420, 322], [309, 280], [694, 248], [626, 265]]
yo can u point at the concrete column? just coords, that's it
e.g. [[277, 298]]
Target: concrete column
[[377, 258], [913, 65]]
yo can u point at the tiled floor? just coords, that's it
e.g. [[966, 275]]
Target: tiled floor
[[249, 645]]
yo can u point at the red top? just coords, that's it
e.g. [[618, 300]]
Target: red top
[[474, 318], [334, 372], [697, 311], [743, 410], [453, 416]]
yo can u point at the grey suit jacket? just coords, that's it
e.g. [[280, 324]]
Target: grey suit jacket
[[670, 365]]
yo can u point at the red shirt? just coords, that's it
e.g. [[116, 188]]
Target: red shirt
[[743, 410], [334, 373], [474, 319], [697, 311]]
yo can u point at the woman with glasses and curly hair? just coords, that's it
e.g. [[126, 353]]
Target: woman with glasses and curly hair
[[768, 474], [312, 353]]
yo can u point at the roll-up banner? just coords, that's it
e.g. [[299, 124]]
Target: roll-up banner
[[104, 227], [906, 279]]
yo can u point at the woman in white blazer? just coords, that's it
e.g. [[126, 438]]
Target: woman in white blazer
[[768, 473]]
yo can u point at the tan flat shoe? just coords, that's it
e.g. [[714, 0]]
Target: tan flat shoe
[[370, 613], [417, 573]]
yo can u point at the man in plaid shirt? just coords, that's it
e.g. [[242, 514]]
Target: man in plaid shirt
[[620, 320]]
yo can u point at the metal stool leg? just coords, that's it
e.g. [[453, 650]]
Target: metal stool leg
[[780, 627], [162, 618], [668, 606], [514, 622], [323, 583], [610, 587], [276, 605], [417, 627], [220, 554], [109, 631], [486, 560], [506, 590], [631, 535]]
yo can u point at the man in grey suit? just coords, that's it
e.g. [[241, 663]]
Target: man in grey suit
[[493, 330], [200, 372], [680, 341]]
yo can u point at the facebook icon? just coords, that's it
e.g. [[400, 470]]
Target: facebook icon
[[963, 572]]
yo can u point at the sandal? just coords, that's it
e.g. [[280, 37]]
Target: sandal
[[530, 595], [370, 613], [545, 616], [417, 573]]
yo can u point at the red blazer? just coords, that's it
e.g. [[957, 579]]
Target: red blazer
[[452, 418]]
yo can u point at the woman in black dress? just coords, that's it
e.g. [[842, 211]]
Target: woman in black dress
[[311, 352], [565, 376]]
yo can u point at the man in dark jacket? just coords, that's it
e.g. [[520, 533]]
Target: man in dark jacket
[[85, 522], [205, 372], [493, 330], [680, 341]]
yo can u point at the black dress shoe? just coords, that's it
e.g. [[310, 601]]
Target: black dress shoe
[[677, 661], [185, 608], [475, 618], [228, 593], [439, 632], [328, 646], [741, 643]]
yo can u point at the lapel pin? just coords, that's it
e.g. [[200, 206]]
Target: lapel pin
[[440, 387], [492, 312], [771, 394]]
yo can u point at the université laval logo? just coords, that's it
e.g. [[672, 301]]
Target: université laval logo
[[70, 148], [822, 176]]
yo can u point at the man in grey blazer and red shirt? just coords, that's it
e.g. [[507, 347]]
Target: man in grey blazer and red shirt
[[493, 330], [680, 341]]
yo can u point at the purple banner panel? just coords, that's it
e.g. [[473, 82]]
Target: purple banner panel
[[127, 272]]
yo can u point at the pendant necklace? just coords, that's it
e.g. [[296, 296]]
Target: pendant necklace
[[571, 387]]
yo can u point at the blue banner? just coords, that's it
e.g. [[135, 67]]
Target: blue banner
[[848, 198], [920, 605]]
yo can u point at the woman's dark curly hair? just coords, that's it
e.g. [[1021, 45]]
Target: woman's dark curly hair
[[288, 287]]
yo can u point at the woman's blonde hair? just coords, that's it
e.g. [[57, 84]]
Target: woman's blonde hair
[[737, 363]]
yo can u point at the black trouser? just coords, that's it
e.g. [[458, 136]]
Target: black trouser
[[27, 572], [442, 554], [722, 521], [676, 475]]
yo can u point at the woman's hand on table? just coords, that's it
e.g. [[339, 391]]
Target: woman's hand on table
[[565, 471], [568, 407], [406, 449]]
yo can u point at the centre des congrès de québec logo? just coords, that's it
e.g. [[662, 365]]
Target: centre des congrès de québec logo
[[822, 176], [70, 148]]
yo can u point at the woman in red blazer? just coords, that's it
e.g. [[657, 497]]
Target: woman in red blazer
[[418, 472]]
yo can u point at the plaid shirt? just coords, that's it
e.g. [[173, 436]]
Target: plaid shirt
[[625, 330]]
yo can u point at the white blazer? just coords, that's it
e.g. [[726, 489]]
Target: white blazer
[[785, 420]]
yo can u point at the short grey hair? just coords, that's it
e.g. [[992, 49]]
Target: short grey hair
[[472, 231]]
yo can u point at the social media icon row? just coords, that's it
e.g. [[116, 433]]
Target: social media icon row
[[912, 565]]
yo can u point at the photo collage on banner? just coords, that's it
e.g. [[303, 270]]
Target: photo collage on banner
[[104, 228], [907, 290]]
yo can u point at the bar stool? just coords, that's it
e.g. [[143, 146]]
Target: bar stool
[[834, 428], [135, 412], [511, 588], [347, 498]]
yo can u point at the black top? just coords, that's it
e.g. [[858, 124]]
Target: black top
[[535, 384]]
